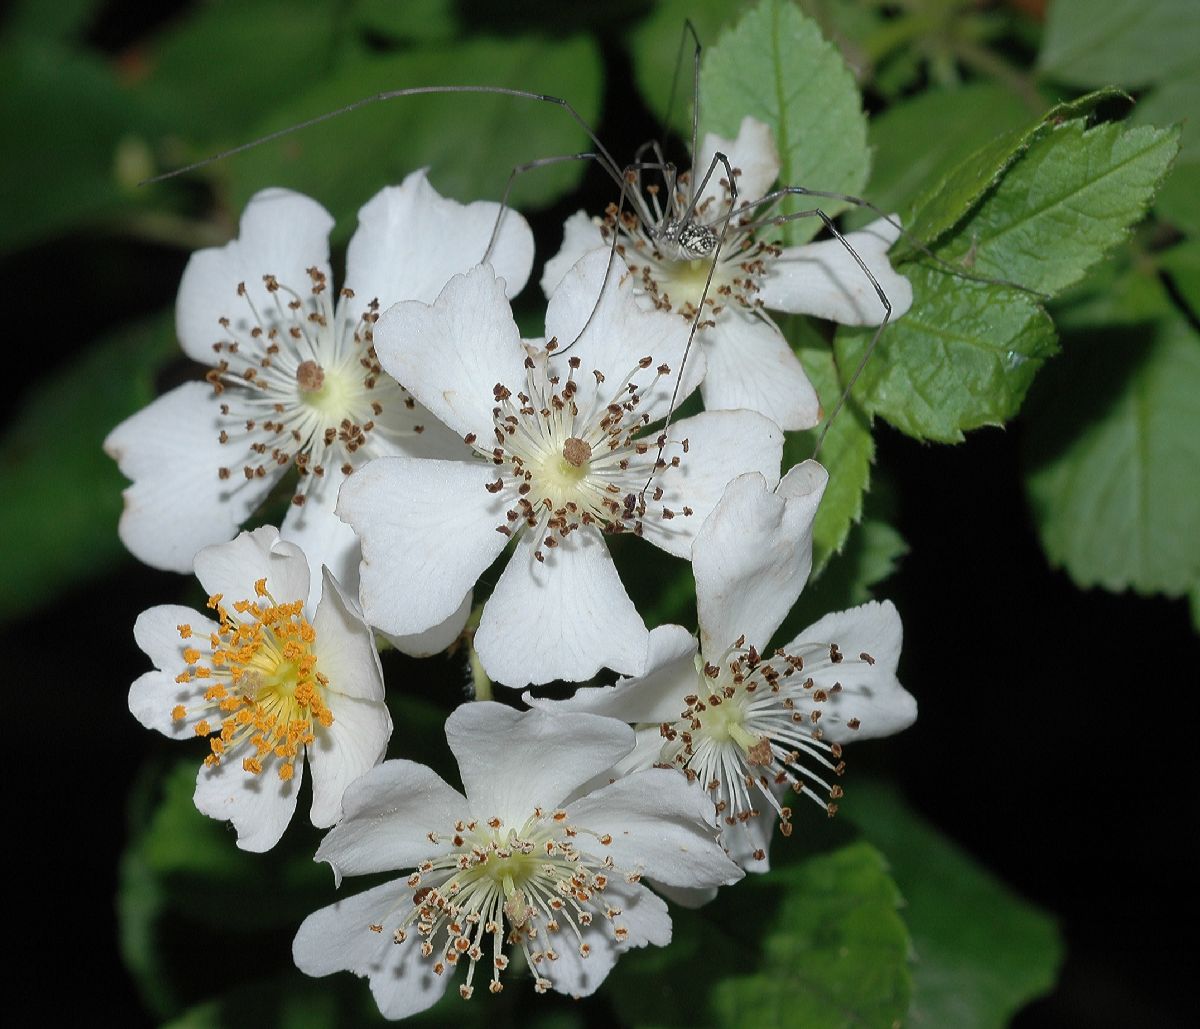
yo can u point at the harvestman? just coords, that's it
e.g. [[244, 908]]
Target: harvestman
[[675, 229]]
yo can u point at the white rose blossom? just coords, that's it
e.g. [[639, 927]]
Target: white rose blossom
[[293, 377], [564, 456], [745, 723], [750, 364], [266, 684], [526, 861]]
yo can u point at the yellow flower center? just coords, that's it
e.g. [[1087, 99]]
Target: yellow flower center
[[266, 693]]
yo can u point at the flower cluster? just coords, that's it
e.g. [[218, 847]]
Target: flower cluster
[[421, 440]]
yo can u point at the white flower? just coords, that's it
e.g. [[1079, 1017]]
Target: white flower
[[560, 463], [744, 723], [750, 364], [525, 861], [266, 684], [294, 379]]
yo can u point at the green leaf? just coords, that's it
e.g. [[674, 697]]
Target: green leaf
[[65, 19], [979, 952], [1177, 100], [69, 115], [1123, 291], [846, 451], [1070, 198], [950, 198], [411, 20], [950, 123], [1111, 473], [1182, 264], [1119, 42], [470, 141], [835, 955], [776, 66], [268, 51], [653, 45], [815, 943], [62, 494], [962, 357]]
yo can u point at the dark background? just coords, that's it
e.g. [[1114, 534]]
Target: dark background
[[1055, 740]]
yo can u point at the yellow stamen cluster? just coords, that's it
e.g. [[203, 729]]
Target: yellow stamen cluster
[[264, 687]]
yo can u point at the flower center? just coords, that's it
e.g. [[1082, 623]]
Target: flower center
[[563, 465], [675, 274], [749, 726], [520, 885], [264, 692], [299, 382]]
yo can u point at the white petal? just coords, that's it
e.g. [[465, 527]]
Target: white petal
[[721, 446], [154, 696], [752, 557], [231, 569], [345, 645], [178, 503], [435, 640], [751, 366], [341, 753], [259, 806], [655, 696], [661, 825], [512, 761], [282, 234], [338, 938], [451, 355], [619, 333], [156, 631], [643, 915], [326, 540], [565, 617], [580, 234], [870, 691], [387, 817], [753, 153], [825, 280], [749, 842], [684, 897], [428, 531], [411, 241]]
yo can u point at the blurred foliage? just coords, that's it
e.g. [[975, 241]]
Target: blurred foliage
[[1006, 147]]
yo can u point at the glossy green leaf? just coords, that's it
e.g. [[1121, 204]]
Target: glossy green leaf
[[776, 66], [847, 449], [950, 124], [815, 943], [950, 198], [1119, 42], [1122, 291], [1111, 477], [835, 955], [962, 357], [62, 494], [979, 952], [1071, 197], [470, 142]]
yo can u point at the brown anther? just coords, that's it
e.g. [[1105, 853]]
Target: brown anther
[[577, 451], [310, 376]]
